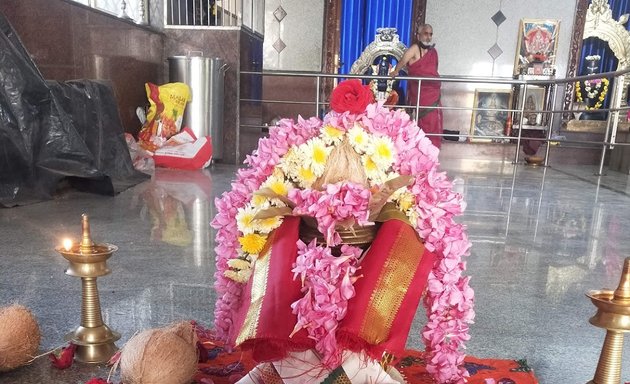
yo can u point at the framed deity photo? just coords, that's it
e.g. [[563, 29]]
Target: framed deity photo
[[536, 47], [490, 114], [533, 107]]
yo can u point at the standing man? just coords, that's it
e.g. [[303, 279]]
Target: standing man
[[421, 59]]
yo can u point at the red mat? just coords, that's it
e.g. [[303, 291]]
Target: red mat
[[222, 367]]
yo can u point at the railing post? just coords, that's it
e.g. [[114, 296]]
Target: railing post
[[418, 103], [318, 80], [520, 123], [613, 119], [554, 92]]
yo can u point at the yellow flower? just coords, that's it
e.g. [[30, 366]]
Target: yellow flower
[[252, 243], [306, 177], [382, 151], [244, 219], [259, 202], [359, 138], [278, 184], [315, 155], [406, 200], [239, 264], [331, 135], [372, 170], [269, 224]]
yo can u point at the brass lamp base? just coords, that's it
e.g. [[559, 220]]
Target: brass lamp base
[[94, 345], [613, 314], [93, 339]]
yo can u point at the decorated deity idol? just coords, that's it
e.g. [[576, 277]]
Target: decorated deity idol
[[327, 243], [592, 92], [381, 88]]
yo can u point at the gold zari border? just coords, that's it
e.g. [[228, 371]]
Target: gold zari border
[[259, 288], [392, 284]]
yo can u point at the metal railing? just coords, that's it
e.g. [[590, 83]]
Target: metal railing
[[248, 14], [554, 115], [133, 10]]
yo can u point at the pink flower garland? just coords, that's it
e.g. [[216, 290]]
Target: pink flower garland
[[327, 285], [449, 300], [261, 164]]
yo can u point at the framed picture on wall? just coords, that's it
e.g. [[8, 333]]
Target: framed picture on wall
[[534, 101], [536, 47], [490, 114]]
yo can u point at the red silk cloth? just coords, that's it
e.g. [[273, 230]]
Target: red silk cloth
[[430, 120], [393, 274]]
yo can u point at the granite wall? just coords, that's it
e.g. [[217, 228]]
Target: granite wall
[[70, 41]]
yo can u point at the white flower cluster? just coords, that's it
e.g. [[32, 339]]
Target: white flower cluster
[[299, 168]]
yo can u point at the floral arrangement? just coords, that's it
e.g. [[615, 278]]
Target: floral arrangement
[[596, 89], [281, 178]]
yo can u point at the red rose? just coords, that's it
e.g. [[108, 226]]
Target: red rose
[[351, 96]]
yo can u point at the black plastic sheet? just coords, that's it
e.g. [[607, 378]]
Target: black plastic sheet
[[54, 131]]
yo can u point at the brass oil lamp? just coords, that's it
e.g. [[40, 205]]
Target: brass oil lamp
[[94, 339], [613, 314]]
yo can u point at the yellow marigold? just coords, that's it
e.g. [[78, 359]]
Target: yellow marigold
[[252, 243]]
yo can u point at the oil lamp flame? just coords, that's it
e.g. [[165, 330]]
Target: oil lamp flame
[[67, 244]]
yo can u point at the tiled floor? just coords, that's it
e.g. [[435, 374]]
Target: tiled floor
[[542, 237]]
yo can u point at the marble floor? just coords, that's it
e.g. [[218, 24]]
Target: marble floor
[[542, 237]]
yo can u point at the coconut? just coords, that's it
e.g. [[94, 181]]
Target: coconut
[[343, 164], [19, 337], [160, 355]]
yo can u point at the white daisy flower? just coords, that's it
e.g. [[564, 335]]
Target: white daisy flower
[[305, 177], [382, 151], [290, 163], [245, 219], [315, 155], [359, 138], [279, 185], [260, 202], [265, 226], [331, 135], [374, 173]]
